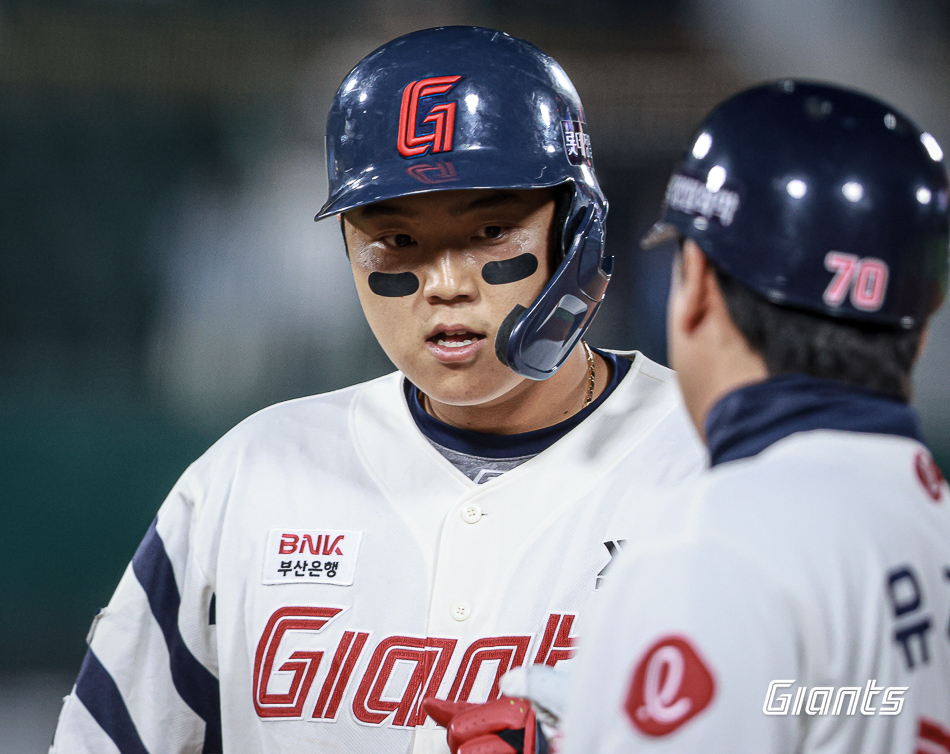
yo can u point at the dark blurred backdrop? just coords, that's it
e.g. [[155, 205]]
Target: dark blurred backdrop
[[161, 277]]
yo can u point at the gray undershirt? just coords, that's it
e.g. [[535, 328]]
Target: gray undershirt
[[478, 468]]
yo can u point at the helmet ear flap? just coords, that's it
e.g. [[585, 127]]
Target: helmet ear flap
[[564, 202], [503, 335], [536, 341]]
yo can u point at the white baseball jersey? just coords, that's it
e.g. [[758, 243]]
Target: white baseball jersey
[[323, 568], [794, 601]]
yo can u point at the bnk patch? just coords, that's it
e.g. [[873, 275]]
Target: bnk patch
[[311, 556]]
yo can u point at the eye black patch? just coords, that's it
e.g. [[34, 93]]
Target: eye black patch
[[393, 285], [510, 270]]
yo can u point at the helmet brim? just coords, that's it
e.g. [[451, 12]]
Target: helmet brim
[[661, 233], [460, 171]]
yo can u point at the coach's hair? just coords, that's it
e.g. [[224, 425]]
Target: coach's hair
[[794, 340]]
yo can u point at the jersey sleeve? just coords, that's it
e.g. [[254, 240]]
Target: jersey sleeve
[[680, 654], [148, 682]]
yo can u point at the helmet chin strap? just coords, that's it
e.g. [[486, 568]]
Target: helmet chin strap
[[535, 341]]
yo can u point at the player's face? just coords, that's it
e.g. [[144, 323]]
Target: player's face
[[437, 273]]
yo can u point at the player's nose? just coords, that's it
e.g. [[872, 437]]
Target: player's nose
[[451, 276]]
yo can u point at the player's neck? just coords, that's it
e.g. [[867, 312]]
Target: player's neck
[[532, 405]]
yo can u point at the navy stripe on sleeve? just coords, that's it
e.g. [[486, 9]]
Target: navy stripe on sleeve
[[97, 691], [196, 685]]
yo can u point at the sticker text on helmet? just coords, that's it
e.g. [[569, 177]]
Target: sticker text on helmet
[[693, 197], [576, 142]]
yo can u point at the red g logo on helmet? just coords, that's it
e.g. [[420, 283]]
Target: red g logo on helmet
[[670, 686], [411, 144]]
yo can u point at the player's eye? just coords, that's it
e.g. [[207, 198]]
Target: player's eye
[[399, 240], [492, 231]]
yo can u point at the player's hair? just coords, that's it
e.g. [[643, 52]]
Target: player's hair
[[789, 340]]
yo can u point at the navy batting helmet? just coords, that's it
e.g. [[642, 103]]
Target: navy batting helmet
[[817, 197], [471, 108]]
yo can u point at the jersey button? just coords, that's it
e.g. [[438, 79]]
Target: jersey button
[[461, 610], [471, 513]]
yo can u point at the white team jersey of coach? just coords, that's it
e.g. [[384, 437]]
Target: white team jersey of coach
[[323, 568], [788, 602]]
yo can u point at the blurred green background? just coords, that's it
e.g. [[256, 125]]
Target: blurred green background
[[161, 277]]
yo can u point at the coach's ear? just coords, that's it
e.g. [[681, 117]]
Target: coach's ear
[[922, 345], [696, 293]]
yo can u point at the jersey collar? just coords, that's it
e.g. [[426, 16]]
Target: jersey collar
[[752, 418], [518, 445]]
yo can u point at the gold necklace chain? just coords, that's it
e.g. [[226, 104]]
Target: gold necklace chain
[[590, 374]]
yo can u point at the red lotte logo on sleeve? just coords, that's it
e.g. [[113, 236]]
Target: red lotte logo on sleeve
[[671, 685], [311, 556], [409, 142], [929, 474]]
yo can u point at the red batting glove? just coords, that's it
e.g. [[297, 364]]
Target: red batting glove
[[475, 728]]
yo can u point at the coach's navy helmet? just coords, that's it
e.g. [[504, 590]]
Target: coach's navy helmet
[[817, 197], [469, 108]]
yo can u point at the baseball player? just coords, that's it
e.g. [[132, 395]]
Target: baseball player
[[796, 598], [335, 561]]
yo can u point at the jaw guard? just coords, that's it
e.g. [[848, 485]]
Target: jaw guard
[[535, 341]]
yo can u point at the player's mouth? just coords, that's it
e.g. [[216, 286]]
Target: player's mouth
[[454, 344]]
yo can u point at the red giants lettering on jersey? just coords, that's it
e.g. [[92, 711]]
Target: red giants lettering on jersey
[[670, 686], [303, 665], [556, 643], [430, 659], [409, 142], [401, 673], [508, 651]]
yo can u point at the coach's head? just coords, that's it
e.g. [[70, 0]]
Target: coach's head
[[813, 223]]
